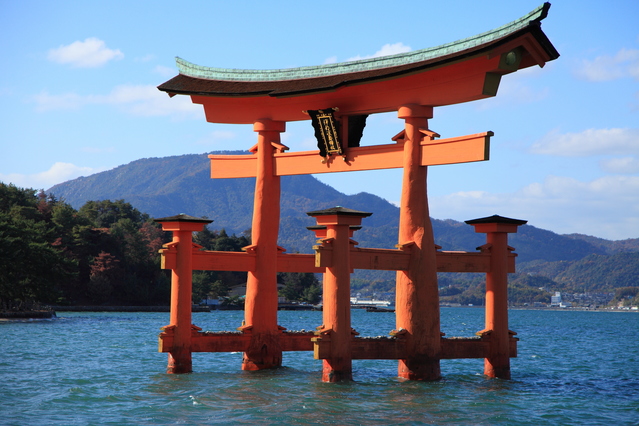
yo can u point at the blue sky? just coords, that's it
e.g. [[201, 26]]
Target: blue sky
[[78, 96]]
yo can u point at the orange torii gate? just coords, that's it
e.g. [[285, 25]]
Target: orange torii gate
[[336, 256], [411, 84]]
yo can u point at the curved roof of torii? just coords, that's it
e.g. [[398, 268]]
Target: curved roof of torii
[[456, 72]]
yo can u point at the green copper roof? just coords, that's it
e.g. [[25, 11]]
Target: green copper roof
[[229, 74]]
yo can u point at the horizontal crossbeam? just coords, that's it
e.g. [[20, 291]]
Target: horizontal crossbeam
[[461, 149], [399, 260], [361, 347], [395, 348], [236, 341], [209, 260], [361, 258]]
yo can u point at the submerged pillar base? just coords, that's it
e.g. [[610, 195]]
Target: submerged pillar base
[[180, 362], [498, 367], [264, 352], [334, 371], [419, 369]]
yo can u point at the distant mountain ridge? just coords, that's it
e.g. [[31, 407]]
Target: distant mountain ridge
[[182, 184]]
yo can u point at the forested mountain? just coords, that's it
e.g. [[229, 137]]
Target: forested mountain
[[181, 184], [609, 247]]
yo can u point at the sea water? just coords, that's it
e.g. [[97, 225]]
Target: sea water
[[574, 367]]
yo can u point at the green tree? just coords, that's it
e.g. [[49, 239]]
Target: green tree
[[204, 288], [627, 296], [11, 195], [224, 242], [300, 287], [233, 302], [32, 265], [105, 213], [217, 284], [106, 253], [137, 251]]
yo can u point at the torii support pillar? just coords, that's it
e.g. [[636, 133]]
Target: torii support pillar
[[497, 229], [417, 296], [260, 306], [180, 325], [336, 300]]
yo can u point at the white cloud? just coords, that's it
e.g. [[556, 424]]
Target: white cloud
[[606, 207], [331, 60], [166, 72], [589, 142], [605, 68], [622, 165], [386, 50], [149, 101], [59, 172], [139, 100], [46, 102], [90, 53], [517, 89]]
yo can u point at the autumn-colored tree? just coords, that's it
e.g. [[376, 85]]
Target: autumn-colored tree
[[106, 253], [105, 274]]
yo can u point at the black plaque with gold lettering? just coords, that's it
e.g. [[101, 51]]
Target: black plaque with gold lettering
[[326, 131]]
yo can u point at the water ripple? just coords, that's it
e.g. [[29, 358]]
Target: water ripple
[[574, 368]]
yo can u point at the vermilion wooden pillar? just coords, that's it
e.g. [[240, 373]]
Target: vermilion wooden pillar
[[417, 296], [336, 300], [260, 306], [180, 325], [497, 229]]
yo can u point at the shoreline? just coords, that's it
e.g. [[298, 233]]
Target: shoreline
[[49, 314], [89, 308], [19, 315]]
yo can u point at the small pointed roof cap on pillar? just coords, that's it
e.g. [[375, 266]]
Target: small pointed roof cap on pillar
[[496, 219], [339, 210], [183, 218]]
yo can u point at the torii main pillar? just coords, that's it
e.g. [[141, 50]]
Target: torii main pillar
[[417, 296], [260, 305]]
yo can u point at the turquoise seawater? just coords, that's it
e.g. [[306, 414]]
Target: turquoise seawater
[[574, 368]]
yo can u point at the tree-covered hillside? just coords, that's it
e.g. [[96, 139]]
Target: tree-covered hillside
[[182, 184], [593, 273], [103, 253]]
